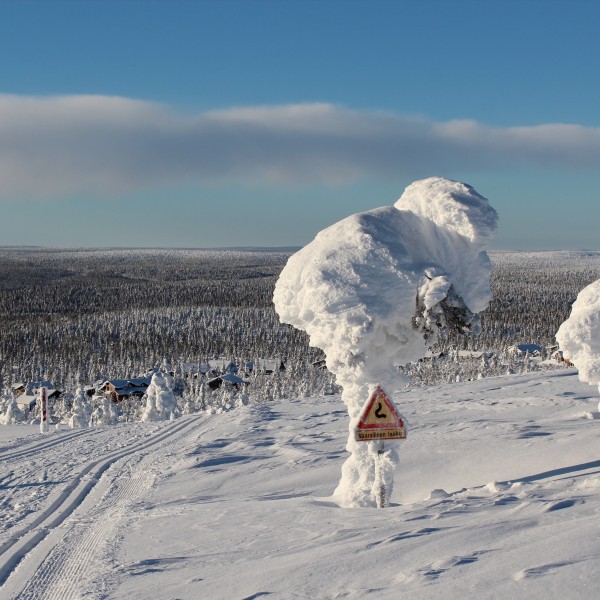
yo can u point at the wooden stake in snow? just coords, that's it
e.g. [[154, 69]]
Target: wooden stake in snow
[[379, 485], [43, 410]]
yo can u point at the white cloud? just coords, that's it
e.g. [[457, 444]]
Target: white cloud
[[109, 145]]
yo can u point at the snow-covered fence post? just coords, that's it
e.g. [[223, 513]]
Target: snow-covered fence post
[[373, 290]]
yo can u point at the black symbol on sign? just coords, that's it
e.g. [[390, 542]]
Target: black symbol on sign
[[378, 412]]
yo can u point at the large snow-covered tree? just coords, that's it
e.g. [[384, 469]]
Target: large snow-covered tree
[[374, 289]]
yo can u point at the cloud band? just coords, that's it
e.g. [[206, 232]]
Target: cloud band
[[109, 145]]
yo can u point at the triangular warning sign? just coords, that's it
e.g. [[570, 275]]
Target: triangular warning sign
[[380, 419]]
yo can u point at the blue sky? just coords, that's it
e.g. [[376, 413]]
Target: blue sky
[[237, 123]]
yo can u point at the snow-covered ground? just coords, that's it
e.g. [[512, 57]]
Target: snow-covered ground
[[497, 495]]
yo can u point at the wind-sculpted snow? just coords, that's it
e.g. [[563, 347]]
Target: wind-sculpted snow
[[498, 494], [368, 289], [579, 336]]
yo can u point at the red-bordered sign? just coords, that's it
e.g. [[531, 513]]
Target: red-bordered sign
[[379, 420]]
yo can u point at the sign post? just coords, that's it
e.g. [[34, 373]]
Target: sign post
[[380, 421], [43, 410]]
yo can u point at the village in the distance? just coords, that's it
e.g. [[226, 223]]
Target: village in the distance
[[93, 326]]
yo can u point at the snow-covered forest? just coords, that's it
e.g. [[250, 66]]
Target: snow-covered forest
[[78, 316]]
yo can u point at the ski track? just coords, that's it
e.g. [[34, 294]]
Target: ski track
[[44, 445], [57, 549]]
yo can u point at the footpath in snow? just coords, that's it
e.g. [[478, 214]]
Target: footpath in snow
[[497, 495]]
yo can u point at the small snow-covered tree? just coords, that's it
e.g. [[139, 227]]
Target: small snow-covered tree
[[13, 413], [160, 400], [4, 400], [80, 411], [105, 412]]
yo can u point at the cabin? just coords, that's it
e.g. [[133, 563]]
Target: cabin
[[33, 389], [269, 365], [222, 365], [192, 370], [26, 402], [230, 379], [18, 388], [121, 389]]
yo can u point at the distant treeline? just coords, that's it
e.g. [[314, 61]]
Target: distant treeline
[[75, 316]]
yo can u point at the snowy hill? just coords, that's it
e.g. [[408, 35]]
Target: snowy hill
[[496, 496]]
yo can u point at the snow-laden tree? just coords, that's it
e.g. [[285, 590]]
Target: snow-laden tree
[[80, 411], [161, 404], [374, 290], [105, 412], [579, 336], [13, 414], [4, 400]]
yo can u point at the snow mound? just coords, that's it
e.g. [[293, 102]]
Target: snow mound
[[579, 336], [373, 289]]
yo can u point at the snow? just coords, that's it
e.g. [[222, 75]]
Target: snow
[[496, 496], [579, 336], [368, 291]]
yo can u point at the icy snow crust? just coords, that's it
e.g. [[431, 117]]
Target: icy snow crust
[[579, 336], [354, 290]]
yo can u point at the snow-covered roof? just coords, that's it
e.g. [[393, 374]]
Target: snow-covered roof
[[120, 384], [523, 348], [139, 381], [132, 390], [27, 400], [117, 383]]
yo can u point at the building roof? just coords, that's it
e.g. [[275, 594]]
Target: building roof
[[135, 382], [26, 400]]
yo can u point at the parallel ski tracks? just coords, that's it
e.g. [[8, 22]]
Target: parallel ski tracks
[[44, 445], [22, 542]]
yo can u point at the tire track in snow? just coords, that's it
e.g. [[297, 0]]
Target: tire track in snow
[[22, 543]]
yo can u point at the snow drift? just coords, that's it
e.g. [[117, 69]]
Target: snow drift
[[373, 289]]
